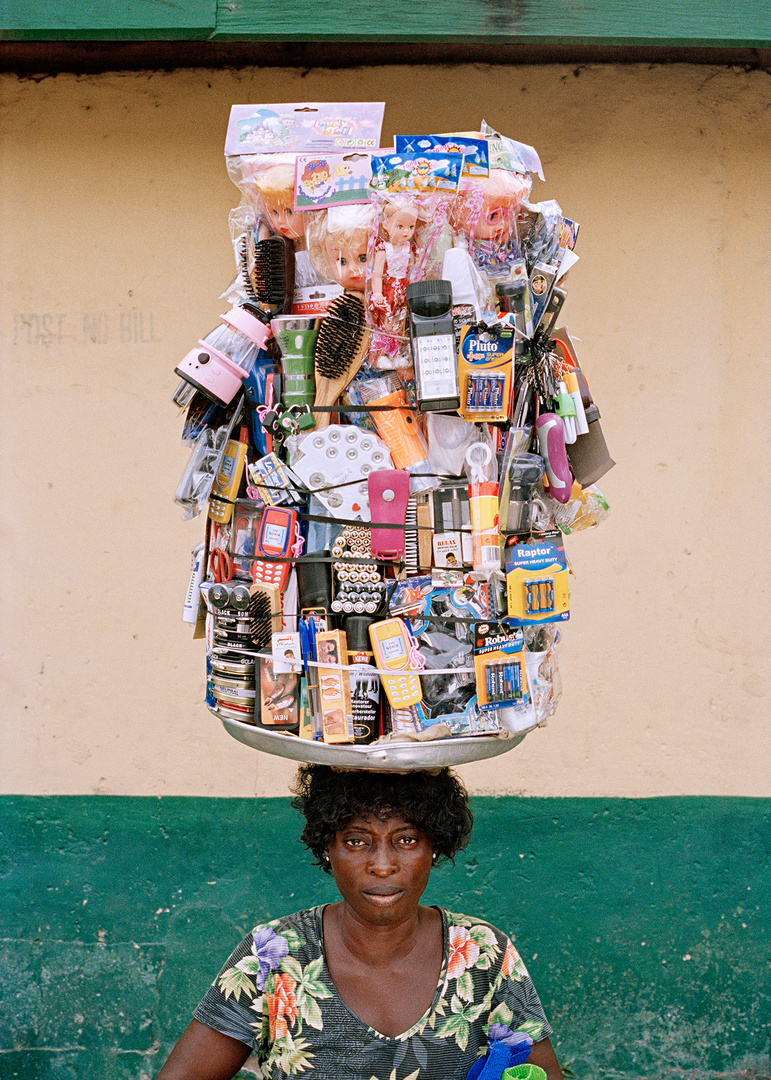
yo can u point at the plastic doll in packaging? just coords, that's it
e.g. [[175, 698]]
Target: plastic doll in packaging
[[268, 184], [393, 256], [337, 243], [486, 212], [273, 192]]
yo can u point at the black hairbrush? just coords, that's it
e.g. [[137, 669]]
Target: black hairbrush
[[244, 278], [340, 348], [272, 274]]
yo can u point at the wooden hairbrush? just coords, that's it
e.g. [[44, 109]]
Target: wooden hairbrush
[[340, 348], [264, 613]]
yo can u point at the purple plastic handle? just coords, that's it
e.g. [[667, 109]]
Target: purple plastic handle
[[551, 440]]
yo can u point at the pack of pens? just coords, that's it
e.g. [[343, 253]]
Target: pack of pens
[[392, 435]]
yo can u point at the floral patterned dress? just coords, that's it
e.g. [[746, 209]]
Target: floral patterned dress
[[276, 995]]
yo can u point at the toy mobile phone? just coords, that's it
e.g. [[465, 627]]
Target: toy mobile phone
[[274, 541], [227, 481], [392, 644], [434, 352]]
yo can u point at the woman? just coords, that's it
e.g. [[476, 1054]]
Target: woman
[[376, 985]]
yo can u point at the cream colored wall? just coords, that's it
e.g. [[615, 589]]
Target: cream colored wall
[[115, 247]]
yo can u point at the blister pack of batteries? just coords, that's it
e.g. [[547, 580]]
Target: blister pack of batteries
[[392, 435]]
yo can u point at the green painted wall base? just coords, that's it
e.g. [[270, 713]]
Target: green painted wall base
[[645, 924]]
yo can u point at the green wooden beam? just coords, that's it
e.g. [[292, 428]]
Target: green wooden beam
[[114, 20], [683, 23], [644, 923], [625, 23]]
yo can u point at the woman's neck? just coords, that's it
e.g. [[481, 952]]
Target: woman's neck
[[374, 943]]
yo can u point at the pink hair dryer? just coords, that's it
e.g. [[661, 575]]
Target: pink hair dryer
[[223, 358]]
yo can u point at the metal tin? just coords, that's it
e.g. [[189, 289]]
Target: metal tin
[[233, 684], [233, 644], [226, 663], [233, 712], [233, 641], [232, 697], [233, 624]]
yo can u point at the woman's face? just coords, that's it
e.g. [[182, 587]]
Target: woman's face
[[381, 868]]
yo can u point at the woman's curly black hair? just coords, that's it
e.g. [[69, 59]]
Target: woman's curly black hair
[[435, 803]]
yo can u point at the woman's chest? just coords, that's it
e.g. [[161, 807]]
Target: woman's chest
[[390, 1000]]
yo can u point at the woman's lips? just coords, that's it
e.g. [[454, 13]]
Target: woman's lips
[[383, 896]]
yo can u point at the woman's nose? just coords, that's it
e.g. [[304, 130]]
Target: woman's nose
[[382, 859]]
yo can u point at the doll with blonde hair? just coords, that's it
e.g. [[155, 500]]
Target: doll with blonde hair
[[337, 243], [392, 260], [268, 183], [271, 192]]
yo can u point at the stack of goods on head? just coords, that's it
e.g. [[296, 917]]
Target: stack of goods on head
[[391, 433]]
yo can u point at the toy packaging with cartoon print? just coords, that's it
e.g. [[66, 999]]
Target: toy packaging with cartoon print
[[391, 435]]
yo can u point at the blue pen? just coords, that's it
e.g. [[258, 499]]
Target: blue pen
[[305, 647]]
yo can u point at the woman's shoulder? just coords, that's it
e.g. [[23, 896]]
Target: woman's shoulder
[[300, 928], [456, 918], [483, 945]]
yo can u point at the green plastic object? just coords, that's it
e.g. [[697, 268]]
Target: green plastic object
[[296, 337], [524, 1072]]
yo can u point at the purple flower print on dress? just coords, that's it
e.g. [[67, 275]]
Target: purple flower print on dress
[[503, 1034], [270, 949]]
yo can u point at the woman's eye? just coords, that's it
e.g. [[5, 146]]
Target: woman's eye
[[343, 262], [408, 841], [362, 258]]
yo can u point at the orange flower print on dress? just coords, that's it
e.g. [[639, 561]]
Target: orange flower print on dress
[[511, 960], [282, 1006], [464, 952]]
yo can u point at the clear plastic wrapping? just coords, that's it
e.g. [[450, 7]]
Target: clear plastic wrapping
[[452, 628]]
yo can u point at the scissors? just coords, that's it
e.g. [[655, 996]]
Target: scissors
[[221, 565]]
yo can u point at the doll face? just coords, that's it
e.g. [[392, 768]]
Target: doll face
[[400, 227], [503, 194], [284, 221], [350, 265], [495, 223]]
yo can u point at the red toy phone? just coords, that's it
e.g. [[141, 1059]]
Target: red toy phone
[[274, 541]]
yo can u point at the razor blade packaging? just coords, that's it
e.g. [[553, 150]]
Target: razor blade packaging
[[390, 437]]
